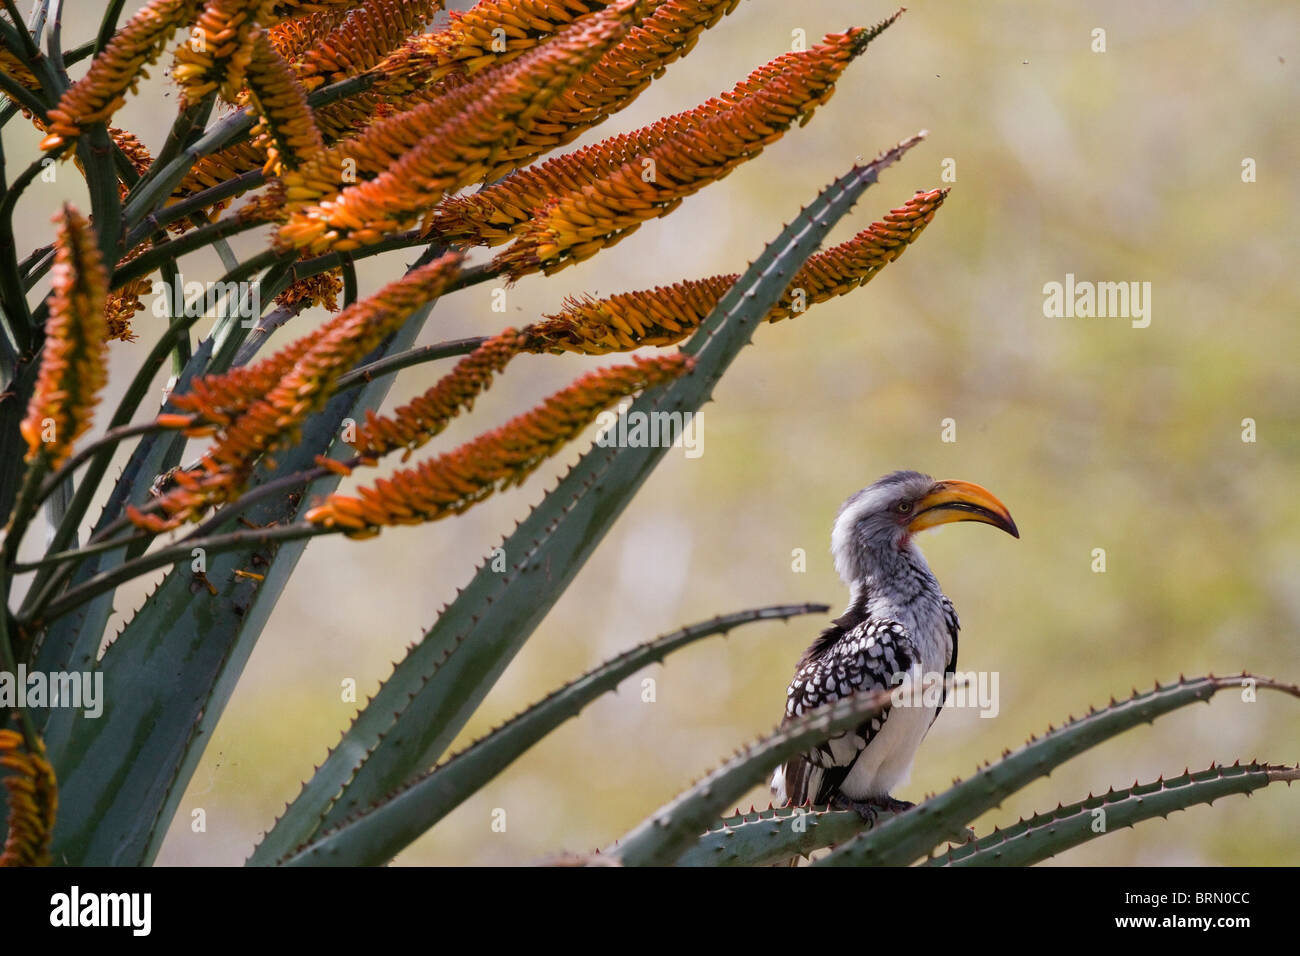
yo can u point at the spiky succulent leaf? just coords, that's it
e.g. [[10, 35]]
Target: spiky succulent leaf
[[170, 673], [1047, 834], [72, 642], [378, 834], [769, 836], [666, 834], [915, 833], [435, 689], [778, 834]]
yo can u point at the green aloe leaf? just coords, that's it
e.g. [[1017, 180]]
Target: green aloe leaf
[[1047, 834], [916, 832], [170, 673], [663, 837], [432, 693], [71, 642], [762, 837], [376, 836], [779, 834]]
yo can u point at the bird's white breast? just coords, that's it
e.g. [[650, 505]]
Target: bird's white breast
[[887, 763]]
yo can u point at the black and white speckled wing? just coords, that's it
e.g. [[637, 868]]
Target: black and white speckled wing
[[849, 657]]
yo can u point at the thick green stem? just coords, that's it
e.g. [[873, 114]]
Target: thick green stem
[[415, 356], [108, 25], [24, 510], [10, 663], [12, 294], [192, 204]]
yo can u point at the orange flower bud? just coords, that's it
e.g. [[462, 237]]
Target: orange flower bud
[[74, 360]]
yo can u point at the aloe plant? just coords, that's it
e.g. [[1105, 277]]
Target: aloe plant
[[356, 128]]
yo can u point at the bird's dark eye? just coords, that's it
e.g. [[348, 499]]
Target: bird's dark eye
[[903, 507]]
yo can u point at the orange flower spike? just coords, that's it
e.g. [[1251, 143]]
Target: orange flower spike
[[666, 315], [287, 123], [854, 263], [628, 320], [495, 214], [706, 145], [219, 49], [116, 71], [618, 78], [414, 424], [74, 360], [292, 38], [454, 482], [363, 38], [273, 418], [491, 33], [171, 420], [422, 70], [492, 215], [17, 69], [346, 339], [380, 145], [222, 165], [217, 398], [460, 151], [33, 801]]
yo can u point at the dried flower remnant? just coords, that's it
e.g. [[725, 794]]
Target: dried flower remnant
[[266, 206], [312, 291], [124, 302], [136, 152]]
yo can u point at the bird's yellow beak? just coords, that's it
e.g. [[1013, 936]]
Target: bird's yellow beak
[[954, 500]]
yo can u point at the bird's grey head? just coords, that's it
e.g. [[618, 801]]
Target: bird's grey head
[[878, 522]]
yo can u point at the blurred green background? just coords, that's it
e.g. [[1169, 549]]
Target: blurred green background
[[1117, 166]]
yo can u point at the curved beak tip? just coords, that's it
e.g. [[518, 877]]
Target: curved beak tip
[[955, 500]]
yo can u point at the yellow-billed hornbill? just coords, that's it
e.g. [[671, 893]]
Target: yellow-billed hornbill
[[898, 624]]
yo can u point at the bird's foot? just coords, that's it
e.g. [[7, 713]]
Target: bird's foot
[[870, 809], [894, 806]]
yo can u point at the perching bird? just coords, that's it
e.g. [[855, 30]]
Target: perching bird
[[898, 623]]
